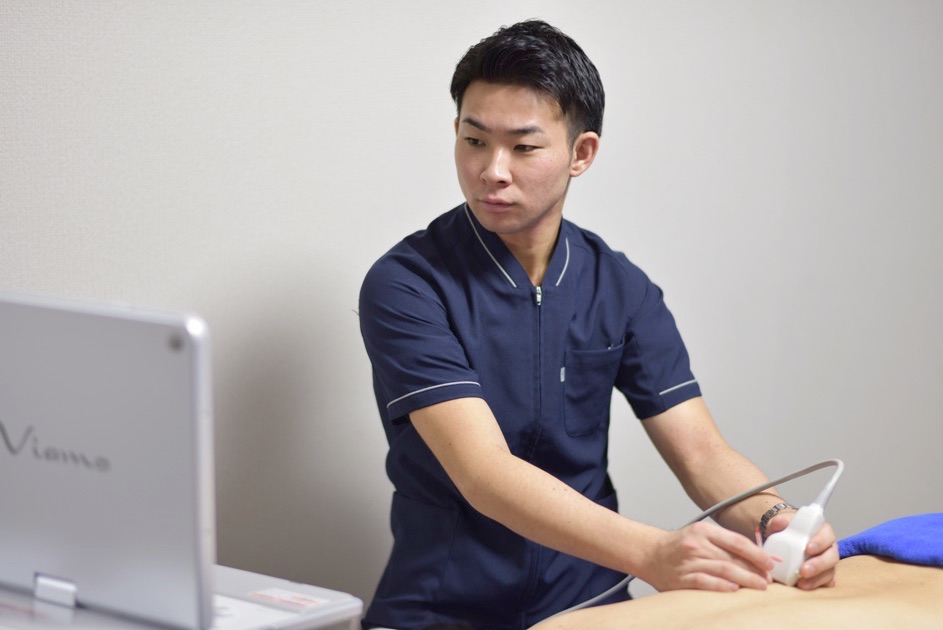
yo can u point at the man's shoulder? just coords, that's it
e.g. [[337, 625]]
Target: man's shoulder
[[445, 229], [422, 252], [607, 266], [591, 244]]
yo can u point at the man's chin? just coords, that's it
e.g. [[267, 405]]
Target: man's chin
[[497, 222]]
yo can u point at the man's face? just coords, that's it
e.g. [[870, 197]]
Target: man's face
[[514, 160]]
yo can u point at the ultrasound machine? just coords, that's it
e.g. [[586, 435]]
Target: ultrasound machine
[[107, 514]]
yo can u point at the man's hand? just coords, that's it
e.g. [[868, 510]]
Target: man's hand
[[708, 557], [822, 550]]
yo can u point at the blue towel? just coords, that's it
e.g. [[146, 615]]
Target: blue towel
[[915, 539]]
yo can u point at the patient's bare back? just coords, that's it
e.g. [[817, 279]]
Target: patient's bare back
[[871, 592]]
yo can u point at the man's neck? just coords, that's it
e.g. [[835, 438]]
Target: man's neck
[[532, 253]]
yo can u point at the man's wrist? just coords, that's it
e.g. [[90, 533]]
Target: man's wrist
[[770, 513]]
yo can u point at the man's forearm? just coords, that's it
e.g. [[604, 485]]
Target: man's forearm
[[541, 508], [524, 498], [707, 467], [729, 475]]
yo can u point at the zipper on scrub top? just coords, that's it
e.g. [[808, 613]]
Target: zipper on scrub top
[[540, 295]]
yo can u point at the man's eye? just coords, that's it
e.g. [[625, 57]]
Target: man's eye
[[474, 142], [525, 148]]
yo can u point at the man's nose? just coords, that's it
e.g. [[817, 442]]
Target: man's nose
[[498, 168]]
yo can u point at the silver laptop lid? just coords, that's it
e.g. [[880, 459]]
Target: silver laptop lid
[[106, 462]]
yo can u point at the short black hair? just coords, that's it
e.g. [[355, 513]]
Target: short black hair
[[537, 55]]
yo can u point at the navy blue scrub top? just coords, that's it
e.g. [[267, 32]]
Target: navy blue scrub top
[[449, 313]]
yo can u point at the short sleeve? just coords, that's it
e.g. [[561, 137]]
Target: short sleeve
[[417, 360], [655, 373]]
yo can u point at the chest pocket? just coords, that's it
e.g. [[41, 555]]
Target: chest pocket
[[588, 379]]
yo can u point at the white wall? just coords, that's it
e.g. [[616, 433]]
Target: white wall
[[776, 167]]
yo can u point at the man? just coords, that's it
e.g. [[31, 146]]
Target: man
[[496, 337]]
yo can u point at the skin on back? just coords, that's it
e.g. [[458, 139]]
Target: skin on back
[[872, 592]]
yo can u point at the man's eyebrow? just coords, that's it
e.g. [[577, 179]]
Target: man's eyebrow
[[520, 131]]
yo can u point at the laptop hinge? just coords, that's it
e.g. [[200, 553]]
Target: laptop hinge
[[54, 590]]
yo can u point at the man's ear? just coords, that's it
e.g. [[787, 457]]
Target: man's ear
[[456, 125], [585, 148]]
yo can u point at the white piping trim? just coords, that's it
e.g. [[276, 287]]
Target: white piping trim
[[425, 389], [566, 263], [685, 384], [495, 260]]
